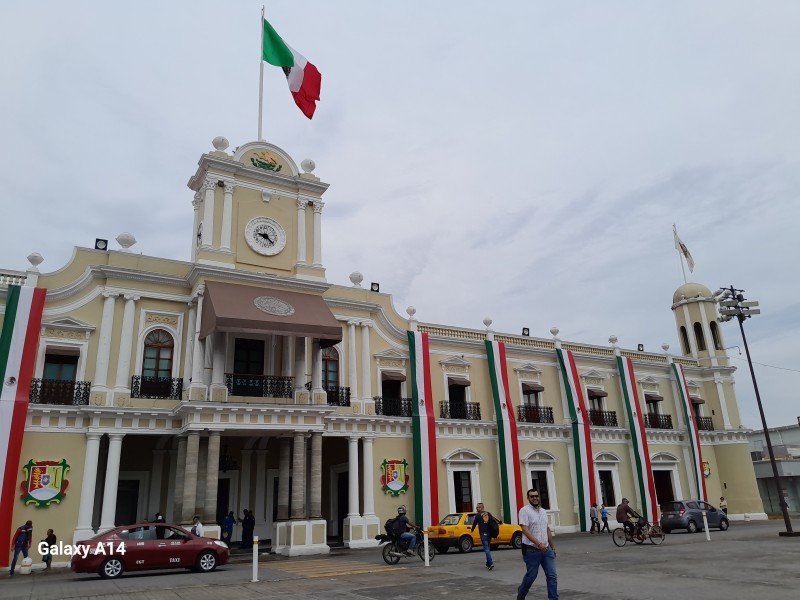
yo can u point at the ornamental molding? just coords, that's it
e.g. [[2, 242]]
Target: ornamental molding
[[153, 318], [593, 376], [273, 306], [455, 364], [49, 333]]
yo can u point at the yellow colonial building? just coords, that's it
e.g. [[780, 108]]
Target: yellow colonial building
[[242, 379]]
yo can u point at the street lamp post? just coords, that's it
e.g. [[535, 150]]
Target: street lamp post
[[732, 305]]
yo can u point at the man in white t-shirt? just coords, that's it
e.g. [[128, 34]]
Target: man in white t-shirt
[[197, 526], [537, 547]]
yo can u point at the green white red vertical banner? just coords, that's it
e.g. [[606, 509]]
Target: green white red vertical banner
[[508, 445], [423, 422], [18, 344], [692, 431], [643, 470], [581, 436]]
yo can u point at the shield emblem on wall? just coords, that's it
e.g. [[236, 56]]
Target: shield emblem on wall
[[395, 477], [45, 482]]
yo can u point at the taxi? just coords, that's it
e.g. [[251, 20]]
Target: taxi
[[454, 531], [147, 546]]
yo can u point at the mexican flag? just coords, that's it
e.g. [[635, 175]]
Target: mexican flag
[[18, 343], [692, 432], [303, 78]]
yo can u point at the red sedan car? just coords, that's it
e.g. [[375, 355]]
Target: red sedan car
[[147, 546]]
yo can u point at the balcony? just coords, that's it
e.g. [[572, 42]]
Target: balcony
[[338, 396], [163, 388], [654, 421], [470, 411], [705, 424], [535, 414], [259, 386], [63, 393], [603, 418], [393, 407]]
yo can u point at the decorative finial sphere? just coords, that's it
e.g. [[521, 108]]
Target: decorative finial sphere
[[220, 143], [125, 240], [554, 331], [488, 322], [308, 165], [665, 347], [356, 278], [612, 339], [411, 311], [35, 259]]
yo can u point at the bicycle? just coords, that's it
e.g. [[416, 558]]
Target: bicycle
[[642, 531]]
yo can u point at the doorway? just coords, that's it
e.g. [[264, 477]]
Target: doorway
[[127, 502], [223, 495], [607, 494], [539, 483], [462, 487], [664, 490]]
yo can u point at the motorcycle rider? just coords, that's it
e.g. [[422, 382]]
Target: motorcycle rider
[[401, 526]]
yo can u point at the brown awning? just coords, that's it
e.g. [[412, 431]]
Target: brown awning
[[248, 309], [393, 376], [596, 393], [532, 387], [697, 400], [653, 398], [458, 381]]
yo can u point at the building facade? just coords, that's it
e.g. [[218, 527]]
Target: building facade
[[243, 379]]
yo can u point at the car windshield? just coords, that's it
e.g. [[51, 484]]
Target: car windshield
[[450, 520]]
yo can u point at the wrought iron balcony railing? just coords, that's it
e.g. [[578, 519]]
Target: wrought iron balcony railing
[[338, 396], [535, 414], [63, 393], [705, 424], [470, 411], [163, 388], [393, 407], [260, 386], [654, 421], [603, 418]]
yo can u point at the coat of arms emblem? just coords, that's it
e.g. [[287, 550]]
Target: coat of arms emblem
[[45, 482], [395, 478]]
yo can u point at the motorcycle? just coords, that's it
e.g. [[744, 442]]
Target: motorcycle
[[394, 547]]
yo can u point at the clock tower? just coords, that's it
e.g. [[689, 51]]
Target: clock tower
[[255, 210]]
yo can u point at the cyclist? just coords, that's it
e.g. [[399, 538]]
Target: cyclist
[[625, 515]]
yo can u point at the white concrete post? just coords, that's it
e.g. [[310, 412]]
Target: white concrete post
[[83, 529], [352, 478], [109, 512]]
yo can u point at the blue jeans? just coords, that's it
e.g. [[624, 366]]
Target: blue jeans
[[487, 548], [410, 538], [533, 558], [24, 551]]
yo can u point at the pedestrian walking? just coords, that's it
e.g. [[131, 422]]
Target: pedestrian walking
[[537, 547], [51, 541], [488, 527], [604, 517], [227, 528], [594, 516], [21, 543]]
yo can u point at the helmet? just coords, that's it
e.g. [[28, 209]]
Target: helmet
[[401, 510]]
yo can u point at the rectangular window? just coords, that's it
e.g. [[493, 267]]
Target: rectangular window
[[248, 357], [462, 486]]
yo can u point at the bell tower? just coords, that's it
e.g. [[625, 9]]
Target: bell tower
[[700, 335], [254, 210]]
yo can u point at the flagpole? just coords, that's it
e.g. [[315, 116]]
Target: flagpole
[[261, 77]]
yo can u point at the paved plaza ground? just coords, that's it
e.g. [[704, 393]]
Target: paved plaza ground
[[748, 561]]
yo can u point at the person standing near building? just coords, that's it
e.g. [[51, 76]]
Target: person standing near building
[[21, 543], [594, 516], [227, 528], [197, 526], [51, 541], [723, 504], [537, 547], [248, 526], [485, 521], [604, 516]]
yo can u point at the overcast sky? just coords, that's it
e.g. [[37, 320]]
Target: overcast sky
[[523, 161]]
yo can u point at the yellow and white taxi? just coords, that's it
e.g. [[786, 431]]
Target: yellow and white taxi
[[455, 531]]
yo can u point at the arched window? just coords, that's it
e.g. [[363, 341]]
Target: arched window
[[687, 349], [158, 348], [698, 335], [715, 336], [330, 368]]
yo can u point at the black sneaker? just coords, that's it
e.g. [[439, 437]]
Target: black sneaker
[[490, 567]]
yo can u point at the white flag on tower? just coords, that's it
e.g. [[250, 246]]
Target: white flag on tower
[[681, 247]]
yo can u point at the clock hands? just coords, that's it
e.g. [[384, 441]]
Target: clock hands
[[266, 237]]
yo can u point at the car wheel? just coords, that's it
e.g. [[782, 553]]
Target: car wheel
[[723, 525], [516, 541], [206, 562], [111, 568], [691, 527], [465, 544]]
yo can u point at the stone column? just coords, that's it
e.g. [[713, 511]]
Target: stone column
[[156, 475], [301, 231], [318, 204], [83, 529], [208, 213], [219, 392], [188, 352], [316, 366], [100, 382], [123, 381], [197, 390], [109, 513], [287, 357], [369, 478], [190, 477], [352, 371], [260, 510], [298, 510], [196, 202], [180, 463], [212, 478], [283, 480], [227, 212], [169, 508], [366, 367], [244, 488], [316, 475], [352, 478], [299, 363]]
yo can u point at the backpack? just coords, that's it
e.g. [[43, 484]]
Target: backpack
[[389, 525], [493, 527]]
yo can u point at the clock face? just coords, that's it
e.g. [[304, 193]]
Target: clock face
[[265, 236]]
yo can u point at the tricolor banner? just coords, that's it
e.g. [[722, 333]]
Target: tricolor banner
[[18, 342], [581, 436], [691, 428], [423, 422], [508, 446], [643, 471]]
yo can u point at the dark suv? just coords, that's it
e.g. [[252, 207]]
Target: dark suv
[[688, 515]]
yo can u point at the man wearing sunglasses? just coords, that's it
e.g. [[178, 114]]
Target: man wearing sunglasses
[[537, 547]]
